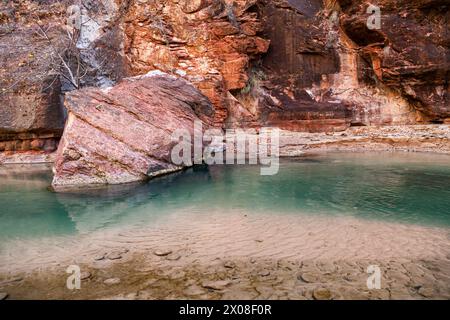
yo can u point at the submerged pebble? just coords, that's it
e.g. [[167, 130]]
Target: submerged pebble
[[114, 255], [162, 253], [85, 275], [309, 277], [216, 285], [426, 292], [173, 257], [229, 265], [264, 273], [322, 294], [112, 281], [100, 257], [194, 290]]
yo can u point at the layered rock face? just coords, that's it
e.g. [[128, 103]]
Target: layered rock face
[[124, 133], [218, 45], [31, 114], [34, 42], [299, 57], [208, 42], [411, 51], [325, 70]]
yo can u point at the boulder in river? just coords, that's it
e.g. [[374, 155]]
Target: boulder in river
[[124, 133]]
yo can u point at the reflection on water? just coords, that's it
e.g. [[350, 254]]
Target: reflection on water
[[27, 208], [412, 188]]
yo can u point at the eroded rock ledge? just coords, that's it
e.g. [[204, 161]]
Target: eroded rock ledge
[[123, 134], [418, 138]]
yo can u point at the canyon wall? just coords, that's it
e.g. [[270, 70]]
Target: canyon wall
[[409, 53], [207, 42], [31, 113], [326, 70], [301, 65], [37, 51]]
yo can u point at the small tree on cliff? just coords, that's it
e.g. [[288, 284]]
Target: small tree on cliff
[[65, 57]]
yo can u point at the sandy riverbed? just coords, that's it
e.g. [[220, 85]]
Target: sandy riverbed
[[237, 255]]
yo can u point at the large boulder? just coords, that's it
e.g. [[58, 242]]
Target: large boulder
[[124, 133]]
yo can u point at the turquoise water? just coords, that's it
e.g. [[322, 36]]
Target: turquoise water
[[408, 188]]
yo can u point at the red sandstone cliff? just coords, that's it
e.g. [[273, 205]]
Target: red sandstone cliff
[[303, 65]]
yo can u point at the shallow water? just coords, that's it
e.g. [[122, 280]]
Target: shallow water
[[406, 188]]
